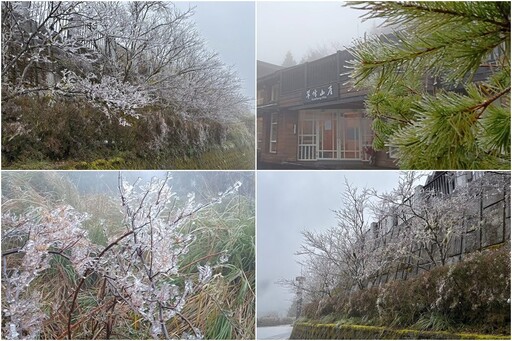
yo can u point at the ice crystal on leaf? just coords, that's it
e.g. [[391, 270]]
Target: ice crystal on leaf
[[205, 273], [223, 258], [59, 229]]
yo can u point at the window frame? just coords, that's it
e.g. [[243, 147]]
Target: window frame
[[274, 123]]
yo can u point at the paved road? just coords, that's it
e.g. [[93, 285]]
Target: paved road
[[274, 333]]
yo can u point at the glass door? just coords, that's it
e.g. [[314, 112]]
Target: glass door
[[307, 136], [327, 136], [367, 139], [351, 136], [333, 135]]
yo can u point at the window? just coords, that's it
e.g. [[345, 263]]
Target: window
[[261, 98], [393, 152], [352, 133], [259, 133], [274, 93], [273, 133]]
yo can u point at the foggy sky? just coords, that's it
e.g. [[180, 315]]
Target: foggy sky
[[205, 184], [297, 26], [229, 29], [288, 203]]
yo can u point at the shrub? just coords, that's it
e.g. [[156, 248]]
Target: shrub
[[325, 307], [473, 294], [269, 321], [362, 304], [60, 129], [477, 292], [310, 310], [403, 303]]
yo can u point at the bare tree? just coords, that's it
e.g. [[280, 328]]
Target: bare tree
[[35, 36], [346, 246], [318, 52]]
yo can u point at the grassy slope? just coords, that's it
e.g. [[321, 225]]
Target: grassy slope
[[215, 159], [349, 331]]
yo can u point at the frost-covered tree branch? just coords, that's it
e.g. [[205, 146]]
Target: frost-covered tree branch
[[346, 246], [43, 232], [121, 56]]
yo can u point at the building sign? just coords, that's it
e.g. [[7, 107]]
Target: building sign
[[323, 93]]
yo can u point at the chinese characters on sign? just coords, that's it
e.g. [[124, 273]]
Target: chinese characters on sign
[[322, 93]]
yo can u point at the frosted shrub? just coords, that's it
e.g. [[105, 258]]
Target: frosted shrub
[[478, 288], [143, 267], [471, 295], [110, 94], [140, 265], [44, 231]]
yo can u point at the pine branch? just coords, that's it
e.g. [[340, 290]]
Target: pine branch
[[482, 106], [405, 11], [417, 6]]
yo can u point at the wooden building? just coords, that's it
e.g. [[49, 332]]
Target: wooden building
[[310, 117]]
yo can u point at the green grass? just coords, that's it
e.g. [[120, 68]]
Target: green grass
[[433, 321], [229, 304], [308, 331]]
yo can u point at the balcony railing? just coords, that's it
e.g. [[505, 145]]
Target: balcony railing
[[441, 183]]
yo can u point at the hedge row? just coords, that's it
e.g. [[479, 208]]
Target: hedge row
[[38, 130], [471, 295]]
